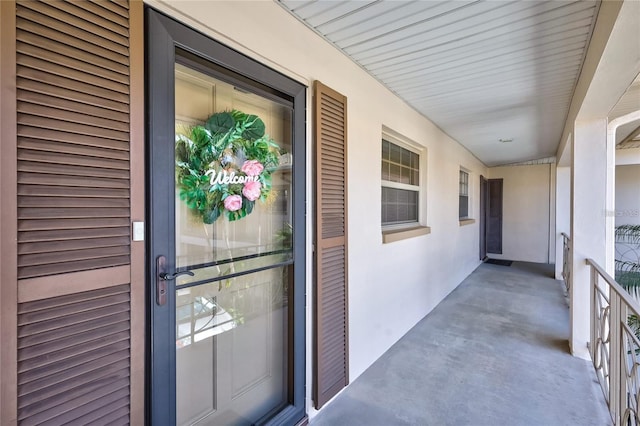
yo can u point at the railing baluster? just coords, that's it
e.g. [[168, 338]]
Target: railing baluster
[[615, 346], [566, 270], [615, 356]]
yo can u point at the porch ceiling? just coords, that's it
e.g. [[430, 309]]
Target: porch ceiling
[[480, 70], [628, 135]]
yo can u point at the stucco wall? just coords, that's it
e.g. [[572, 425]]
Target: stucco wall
[[391, 286], [526, 212], [628, 195], [627, 156]]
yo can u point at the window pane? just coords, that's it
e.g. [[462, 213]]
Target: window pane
[[464, 207], [403, 164], [406, 157], [396, 174], [399, 206], [415, 178], [406, 175], [385, 150], [396, 154], [385, 170], [464, 183]]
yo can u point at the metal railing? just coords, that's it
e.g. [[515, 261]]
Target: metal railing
[[566, 256], [614, 346]]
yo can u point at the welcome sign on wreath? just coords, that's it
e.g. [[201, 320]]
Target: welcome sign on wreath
[[225, 166]]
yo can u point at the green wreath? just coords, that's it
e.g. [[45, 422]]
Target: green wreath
[[225, 166]]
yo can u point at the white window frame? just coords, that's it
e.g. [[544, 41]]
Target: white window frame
[[468, 219], [395, 232], [460, 194]]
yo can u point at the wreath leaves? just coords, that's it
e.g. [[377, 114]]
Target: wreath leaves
[[223, 144]]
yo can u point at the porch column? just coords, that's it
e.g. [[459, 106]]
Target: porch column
[[592, 175], [563, 213]]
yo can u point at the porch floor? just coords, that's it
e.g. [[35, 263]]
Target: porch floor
[[494, 352]]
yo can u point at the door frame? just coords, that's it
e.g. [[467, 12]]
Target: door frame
[[165, 40]]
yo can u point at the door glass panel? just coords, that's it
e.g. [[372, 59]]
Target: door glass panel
[[236, 238]]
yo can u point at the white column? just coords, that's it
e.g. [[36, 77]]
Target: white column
[[563, 212], [591, 183]]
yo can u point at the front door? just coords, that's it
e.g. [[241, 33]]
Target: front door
[[494, 217], [226, 269], [484, 202]]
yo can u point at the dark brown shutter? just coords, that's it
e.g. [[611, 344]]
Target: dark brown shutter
[[73, 359], [74, 312], [331, 360], [73, 136]]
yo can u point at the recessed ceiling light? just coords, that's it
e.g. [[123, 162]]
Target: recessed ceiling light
[[505, 140]]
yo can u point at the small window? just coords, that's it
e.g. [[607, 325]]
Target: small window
[[400, 185], [463, 210]]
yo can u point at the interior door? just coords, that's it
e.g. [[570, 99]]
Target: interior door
[[226, 240]]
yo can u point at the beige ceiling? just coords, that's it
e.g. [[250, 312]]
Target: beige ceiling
[[481, 70]]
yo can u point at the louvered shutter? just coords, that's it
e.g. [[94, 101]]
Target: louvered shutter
[[331, 361], [75, 293], [73, 358], [73, 136]]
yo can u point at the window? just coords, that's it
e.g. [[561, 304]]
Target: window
[[400, 185], [463, 210]]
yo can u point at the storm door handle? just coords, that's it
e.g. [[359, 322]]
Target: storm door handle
[[162, 277]]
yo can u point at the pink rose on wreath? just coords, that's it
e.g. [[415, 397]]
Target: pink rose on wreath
[[233, 203], [252, 168], [251, 190]]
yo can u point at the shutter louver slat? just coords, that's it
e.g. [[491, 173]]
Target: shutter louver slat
[[67, 267], [120, 9], [31, 133], [48, 16], [71, 159], [73, 363], [86, 18], [34, 334], [72, 170], [331, 371], [51, 93], [66, 61], [26, 73], [86, 152], [73, 234], [35, 98], [32, 22], [72, 116], [71, 127], [28, 32], [73, 356]]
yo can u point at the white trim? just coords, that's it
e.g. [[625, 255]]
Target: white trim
[[402, 141], [398, 185], [469, 195]]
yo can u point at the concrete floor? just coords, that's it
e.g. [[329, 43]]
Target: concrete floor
[[494, 352]]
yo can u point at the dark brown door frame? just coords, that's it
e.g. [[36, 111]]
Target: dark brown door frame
[[166, 39]]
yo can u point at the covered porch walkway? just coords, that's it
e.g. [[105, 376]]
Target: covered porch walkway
[[494, 352]]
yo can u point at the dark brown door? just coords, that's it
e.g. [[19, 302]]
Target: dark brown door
[[484, 196], [494, 217]]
